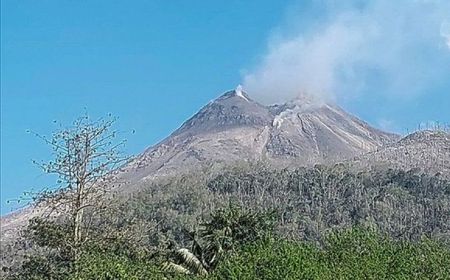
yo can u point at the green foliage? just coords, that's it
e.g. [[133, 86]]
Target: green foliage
[[235, 225], [51, 257], [254, 253], [94, 263], [245, 239], [272, 259], [348, 254], [226, 229], [48, 233], [42, 267], [104, 256], [106, 265]]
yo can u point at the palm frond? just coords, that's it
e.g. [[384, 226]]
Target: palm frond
[[191, 262], [174, 268]]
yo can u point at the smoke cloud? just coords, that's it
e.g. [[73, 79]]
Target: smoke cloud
[[445, 32], [393, 48]]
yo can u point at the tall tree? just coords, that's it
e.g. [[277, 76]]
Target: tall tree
[[86, 155]]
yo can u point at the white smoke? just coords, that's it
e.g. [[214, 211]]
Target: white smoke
[[384, 46], [445, 32]]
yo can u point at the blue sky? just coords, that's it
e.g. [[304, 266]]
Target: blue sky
[[155, 63]]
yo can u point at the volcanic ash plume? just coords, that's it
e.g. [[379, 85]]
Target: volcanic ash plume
[[390, 48]]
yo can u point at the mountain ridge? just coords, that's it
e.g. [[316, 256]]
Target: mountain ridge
[[234, 127]]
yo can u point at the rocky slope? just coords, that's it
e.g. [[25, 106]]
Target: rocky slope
[[428, 151], [235, 128]]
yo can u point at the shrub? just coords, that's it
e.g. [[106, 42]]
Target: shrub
[[350, 254]]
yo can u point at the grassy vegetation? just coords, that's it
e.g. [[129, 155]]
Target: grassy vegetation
[[241, 244], [349, 254], [307, 223]]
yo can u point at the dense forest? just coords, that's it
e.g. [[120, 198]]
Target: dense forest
[[309, 201], [255, 222]]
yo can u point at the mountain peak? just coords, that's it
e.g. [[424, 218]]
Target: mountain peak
[[237, 92], [232, 109], [234, 128]]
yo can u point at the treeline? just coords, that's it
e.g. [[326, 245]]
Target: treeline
[[403, 204], [237, 244], [255, 223], [310, 201]]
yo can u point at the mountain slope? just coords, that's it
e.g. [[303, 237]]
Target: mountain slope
[[235, 128], [427, 150]]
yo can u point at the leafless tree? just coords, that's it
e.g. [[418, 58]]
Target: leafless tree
[[85, 157]]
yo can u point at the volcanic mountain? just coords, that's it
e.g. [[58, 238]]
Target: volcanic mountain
[[234, 128]]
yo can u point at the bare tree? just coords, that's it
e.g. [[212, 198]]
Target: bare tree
[[85, 157]]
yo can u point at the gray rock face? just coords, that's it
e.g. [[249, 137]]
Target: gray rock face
[[428, 151], [235, 128], [227, 112]]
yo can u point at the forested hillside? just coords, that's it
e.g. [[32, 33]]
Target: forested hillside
[[381, 215], [394, 211]]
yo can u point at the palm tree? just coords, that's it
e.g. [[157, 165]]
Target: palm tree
[[185, 262], [226, 229]]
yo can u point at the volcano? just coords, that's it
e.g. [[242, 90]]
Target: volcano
[[234, 128]]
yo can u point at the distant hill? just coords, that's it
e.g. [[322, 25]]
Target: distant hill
[[428, 151]]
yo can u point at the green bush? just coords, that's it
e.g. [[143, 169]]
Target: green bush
[[349, 254], [272, 260], [103, 266]]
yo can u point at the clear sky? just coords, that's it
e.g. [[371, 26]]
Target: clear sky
[[155, 63]]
